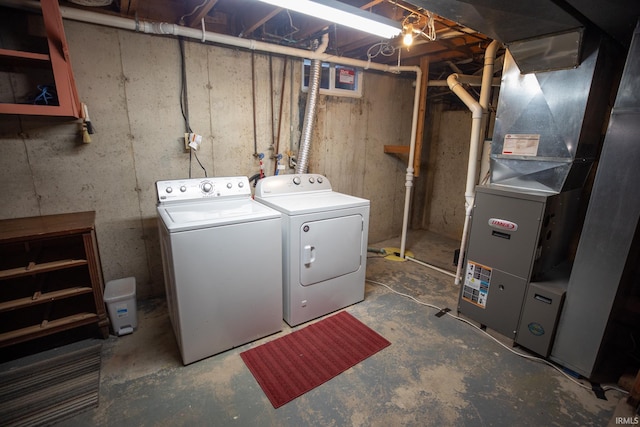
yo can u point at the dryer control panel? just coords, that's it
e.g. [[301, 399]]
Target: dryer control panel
[[202, 188], [279, 185]]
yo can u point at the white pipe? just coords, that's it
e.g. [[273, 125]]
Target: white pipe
[[478, 111], [412, 150], [487, 74], [197, 34], [470, 80]]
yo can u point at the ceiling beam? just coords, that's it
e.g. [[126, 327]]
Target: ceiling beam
[[128, 7], [259, 15], [200, 12]]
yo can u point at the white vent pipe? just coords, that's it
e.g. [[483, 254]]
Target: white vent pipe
[[478, 109], [204, 36], [412, 152]]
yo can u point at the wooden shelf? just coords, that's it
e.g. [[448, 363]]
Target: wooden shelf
[[41, 298], [396, 149], [62, 292], [68, 102], [18, 54], [44, 267], [47, 327]]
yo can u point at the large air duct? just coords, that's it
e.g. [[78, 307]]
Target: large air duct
[[548, 125]]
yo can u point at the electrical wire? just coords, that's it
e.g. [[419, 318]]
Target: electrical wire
[[184, 105], [253, 103], [431, 33], [194, 10], [382, 48], [525, 356], [198, 160]]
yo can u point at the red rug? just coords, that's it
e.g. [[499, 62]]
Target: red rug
[[302, 360]]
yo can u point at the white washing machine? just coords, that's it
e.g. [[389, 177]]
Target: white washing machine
[[221, 254], [324, 244]]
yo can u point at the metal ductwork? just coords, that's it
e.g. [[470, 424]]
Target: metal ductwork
[[548, 126], [505, 20], [541, 34]]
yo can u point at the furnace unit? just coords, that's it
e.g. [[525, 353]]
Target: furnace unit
[[516, 236], [546, 138]]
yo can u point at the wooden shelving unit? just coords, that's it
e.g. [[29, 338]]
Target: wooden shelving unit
[[50, 277], [55, 64]]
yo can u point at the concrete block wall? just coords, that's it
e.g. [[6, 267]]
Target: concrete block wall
[[442, 185], [132, 84]]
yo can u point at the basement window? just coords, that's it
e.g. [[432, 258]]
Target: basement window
[[337, 80]]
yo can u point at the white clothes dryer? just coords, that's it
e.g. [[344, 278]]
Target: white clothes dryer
[[324, 244], [221, 255]]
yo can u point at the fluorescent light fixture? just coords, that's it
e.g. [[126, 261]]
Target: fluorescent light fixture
[[343, 14]]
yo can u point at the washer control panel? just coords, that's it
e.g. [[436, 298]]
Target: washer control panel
[[202, 188], [291, 184]]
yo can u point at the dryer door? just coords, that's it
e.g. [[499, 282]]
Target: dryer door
[[330, 248]]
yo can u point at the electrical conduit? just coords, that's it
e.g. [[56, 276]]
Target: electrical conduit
[[478, 110]]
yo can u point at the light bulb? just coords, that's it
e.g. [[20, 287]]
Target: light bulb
[[407, 39]]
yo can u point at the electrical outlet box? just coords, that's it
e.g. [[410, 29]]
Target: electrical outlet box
[[186, 142]]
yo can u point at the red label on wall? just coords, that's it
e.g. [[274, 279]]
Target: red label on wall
[[346, 76]]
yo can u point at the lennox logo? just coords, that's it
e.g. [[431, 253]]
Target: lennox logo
[[503, 224]]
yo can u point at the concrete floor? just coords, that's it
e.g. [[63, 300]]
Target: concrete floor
[[437, 371]]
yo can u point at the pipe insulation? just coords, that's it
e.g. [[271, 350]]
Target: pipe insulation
[[479, 111], [90, 17], [310, 109]]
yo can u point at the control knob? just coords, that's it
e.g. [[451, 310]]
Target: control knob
[[296, 180], [206, 187], [311, 180], [229, 185], [320, 180], [168, 189], [183, 188]]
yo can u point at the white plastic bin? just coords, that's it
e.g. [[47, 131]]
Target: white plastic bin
[[120, 297]]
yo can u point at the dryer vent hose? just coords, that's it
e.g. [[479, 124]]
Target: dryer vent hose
[[310, 115]]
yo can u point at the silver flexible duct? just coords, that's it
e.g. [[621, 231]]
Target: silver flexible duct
[[309, 117], [310, 108]]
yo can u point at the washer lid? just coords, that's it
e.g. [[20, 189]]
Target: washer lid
[[213, 213], [296, 204]]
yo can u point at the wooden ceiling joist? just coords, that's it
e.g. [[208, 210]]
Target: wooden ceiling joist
[[195, 19]]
